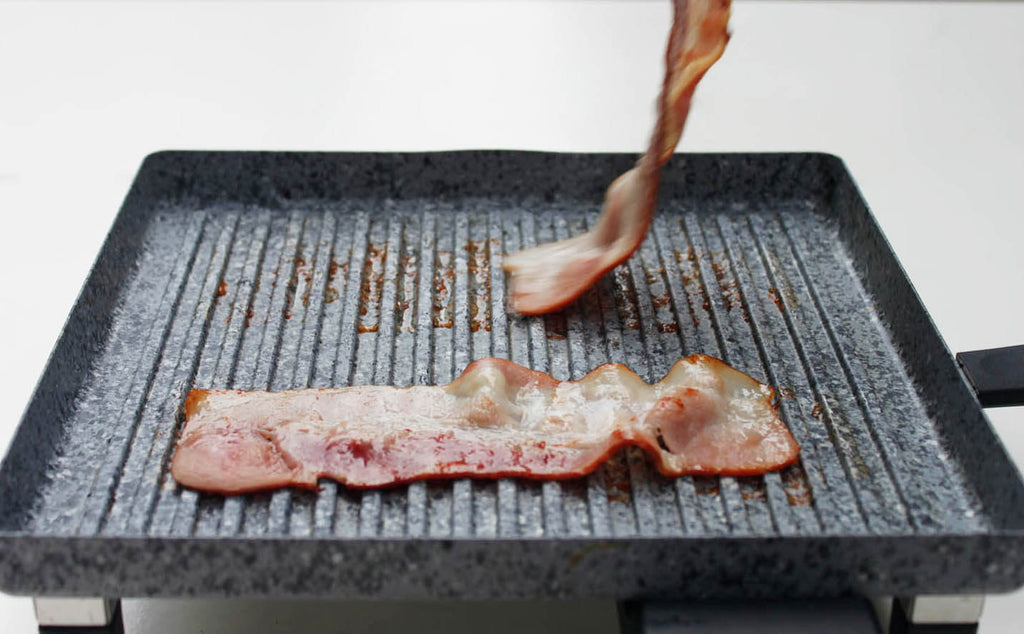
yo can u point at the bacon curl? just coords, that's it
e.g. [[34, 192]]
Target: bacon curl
[[545, 278]]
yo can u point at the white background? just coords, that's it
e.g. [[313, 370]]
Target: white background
[[923, 100]]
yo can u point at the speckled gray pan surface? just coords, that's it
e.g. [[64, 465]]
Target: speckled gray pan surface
[[286, 270]]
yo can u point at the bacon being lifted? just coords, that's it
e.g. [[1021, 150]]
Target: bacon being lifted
[[497, 419], [548, 277]]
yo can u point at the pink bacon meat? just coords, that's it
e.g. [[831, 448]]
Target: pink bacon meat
[[546, 278], [498, 419]]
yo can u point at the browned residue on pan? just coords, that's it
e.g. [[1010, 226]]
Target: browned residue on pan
[[222, 289], [773, 294], [335, 271], [690, 274], [555, 326], [407, 293], [479, 267], [752, 488], [616, 479], [305, 271], [794, 481], [628, 312], [661, 301], [300, 271], [371, 287], [444, 290], [784, 297], [727, 282], [654, 274], [706, 485], [816, 410]]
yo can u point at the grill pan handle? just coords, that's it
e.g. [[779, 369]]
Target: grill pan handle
[[997, 375]]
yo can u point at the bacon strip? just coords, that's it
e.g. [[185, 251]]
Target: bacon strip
[[498, 419], [548, 277]]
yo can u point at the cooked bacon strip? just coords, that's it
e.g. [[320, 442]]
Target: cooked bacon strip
[[548, 277], [497, 419]]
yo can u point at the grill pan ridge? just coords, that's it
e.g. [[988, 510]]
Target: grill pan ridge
[[280, 271]]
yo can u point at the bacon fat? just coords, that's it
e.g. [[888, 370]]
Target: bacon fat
[[547, 277], [497, 419]]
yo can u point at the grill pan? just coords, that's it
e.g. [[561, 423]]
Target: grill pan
[[286, 270]]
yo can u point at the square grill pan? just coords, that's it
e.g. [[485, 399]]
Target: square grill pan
[[286, 270]]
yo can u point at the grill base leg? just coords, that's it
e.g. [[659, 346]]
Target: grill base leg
[[78, 615], [936, 615]]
